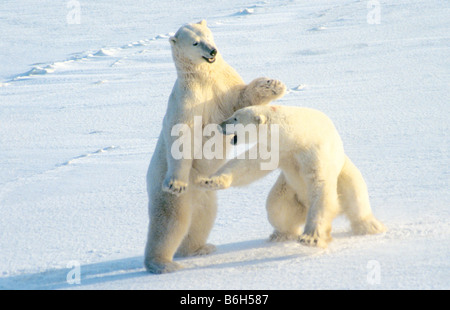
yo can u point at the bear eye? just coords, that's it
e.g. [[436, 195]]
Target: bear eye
[[195, 43], [235, 119]]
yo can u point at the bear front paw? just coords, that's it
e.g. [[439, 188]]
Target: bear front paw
[[272, 87], [313, 240], [215, 183], [277, 87], [174, 187]]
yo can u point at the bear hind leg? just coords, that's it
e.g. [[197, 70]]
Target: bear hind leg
[[202, 221], [284, 211], [167, 230], [354, 201], [321, 183]]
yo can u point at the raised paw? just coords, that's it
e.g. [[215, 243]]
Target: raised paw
[[271, 87], [215, 183], [174, 186]]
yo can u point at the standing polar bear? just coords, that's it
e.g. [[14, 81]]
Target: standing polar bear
[[317, 182], [181, 213]]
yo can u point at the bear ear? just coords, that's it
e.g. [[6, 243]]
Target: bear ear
[[172, 40], [202, 22], [260, 119]]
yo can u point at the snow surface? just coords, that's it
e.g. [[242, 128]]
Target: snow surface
[[81, 107]]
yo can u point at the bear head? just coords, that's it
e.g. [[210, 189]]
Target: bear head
[[244, 122], [193, 44]]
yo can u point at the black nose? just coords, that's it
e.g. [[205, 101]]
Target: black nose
[[234, 141], [213, 52]]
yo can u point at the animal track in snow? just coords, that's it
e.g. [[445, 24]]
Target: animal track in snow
[[99, 151], [104, 52], [107, 53], [250, 10], [318, 28], [247, 11], [300, 87], [309, 52], [38, 177]]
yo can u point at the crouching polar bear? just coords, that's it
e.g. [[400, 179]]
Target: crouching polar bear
[[207, 88], [318, 181]]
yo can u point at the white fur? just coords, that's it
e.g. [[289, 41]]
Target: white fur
[[318, 181], [181, 213]]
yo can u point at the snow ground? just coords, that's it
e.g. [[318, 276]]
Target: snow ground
[[81, 107]]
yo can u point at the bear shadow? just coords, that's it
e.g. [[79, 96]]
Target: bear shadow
[[53, 279], [132, 267], [247, 253]]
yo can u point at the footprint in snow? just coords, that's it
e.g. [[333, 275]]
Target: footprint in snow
[[164, 36], [300, 87], [318, 28], [244, 12], [37, 70], [104, 52], [309, 52], [100, 82], [102, 150]]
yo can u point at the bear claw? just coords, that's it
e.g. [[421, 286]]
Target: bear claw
[[312, 241], [205, 249], [174, 187], [277, 236], [160, 267], [214, 183]]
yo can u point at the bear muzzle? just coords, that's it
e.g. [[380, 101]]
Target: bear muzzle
[[210, 60], [222, 128], [213, 54]]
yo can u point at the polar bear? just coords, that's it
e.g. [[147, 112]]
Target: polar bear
[[317, 181], [182, 214]]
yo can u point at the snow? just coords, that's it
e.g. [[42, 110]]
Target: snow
[[81, 107]]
